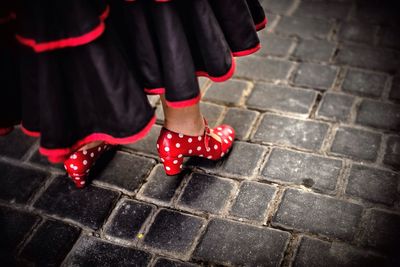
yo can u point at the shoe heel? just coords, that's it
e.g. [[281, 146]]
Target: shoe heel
[[79, 180], [172, 165]]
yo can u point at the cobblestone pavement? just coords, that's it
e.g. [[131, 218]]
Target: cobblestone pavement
[[313, 179]]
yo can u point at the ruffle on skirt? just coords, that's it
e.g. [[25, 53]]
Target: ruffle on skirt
[[86, 66]]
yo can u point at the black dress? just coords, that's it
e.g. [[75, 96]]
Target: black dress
[[77, 71]]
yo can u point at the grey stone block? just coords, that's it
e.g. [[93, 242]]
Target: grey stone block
[[318, 214], [392, 153], [356, 143], [91, 251], [147, 144], [274, 45], [252, 201], [324, 9], [211, 112], [373, 184], [314, 50], [232, 243], [15, 144], [357, 32], [364, 83], [173, 232], [390, 37], [281, 98], [129, 216], [291, 132], [304, 27], [229, 93], [241, 120], [206, 193], [162, 262], [303, 169], [379, 114], [315, 76], [395, 90], [335, 107]]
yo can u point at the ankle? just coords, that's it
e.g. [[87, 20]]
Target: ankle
[[186, 127], [90, 145]]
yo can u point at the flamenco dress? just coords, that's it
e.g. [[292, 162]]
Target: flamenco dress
[[74, 72]]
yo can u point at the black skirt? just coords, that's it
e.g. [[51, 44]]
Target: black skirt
[[75, 71]]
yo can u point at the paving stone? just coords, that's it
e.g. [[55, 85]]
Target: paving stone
[[381, 231], [18, 184], [153, 99], [315, 253], [91, 251], [15, 144], [291, 132], [318, 214], [335, 106], [233, 243], [258, 68], [392, 153], [15, 225], [228, 93], [314, 50], [274, 45], [173, 232], [379, 114], [281, 98], [381, 12], [128, 218], [147, 144], [211, 112], [364, 83], [357, 32], [88, 206], [356, 143], [315, 76], [126, 171], [37, 158], [241, 120], [390, 38], [300, 168], [161, 186], [277, 6], [323, 9], [243, 159], [252, 201], [203, 82], [307, 28], [50, 243], [206, 193], [395, 91], [369, 58], [373, 184], [162, 262]]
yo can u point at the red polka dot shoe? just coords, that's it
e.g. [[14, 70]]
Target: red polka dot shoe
[[79, 163], [173, 147]]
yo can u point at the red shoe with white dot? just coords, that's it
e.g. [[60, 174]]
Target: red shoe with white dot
[[79, 163], [173, 147]]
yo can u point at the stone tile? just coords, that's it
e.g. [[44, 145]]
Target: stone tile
[[206, 193], [15, 144], [89, 206], [37, 158], [91, 251], [274, 45], [211, 112], [18, 184], [50, 243], [314, 253], [259, 68], [126, 171], [228, 93], [373, 184], [307, 28], [281, 98], [323, 9], [277, 6], [127, 220], [392, 153], [315, 76], [161, 186], [382, 12], [369, 58], [231, 243], [314, 50], [147, 144], [390, 38], [303, 169], [241, 120], [356, 143], [335, 107], [395, 91], [318, 214], [381, 231], [153, 99], [252, 201], [163, 262], [244, 159], [364, 83], [174, 226], [379, 114], [287, 131], [357, 32]]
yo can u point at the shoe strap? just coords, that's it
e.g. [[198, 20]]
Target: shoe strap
[[207, 134]]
